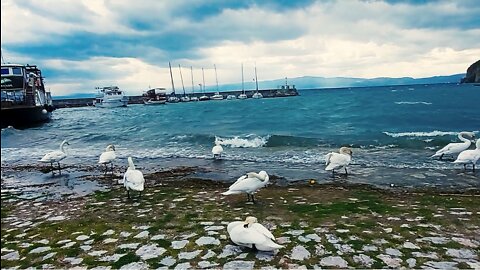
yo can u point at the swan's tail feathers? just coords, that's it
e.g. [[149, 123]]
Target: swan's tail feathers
[[330, 167], [229, 192], [327, 158], [435, 155]]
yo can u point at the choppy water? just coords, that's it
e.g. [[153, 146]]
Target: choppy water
[[393, 130]]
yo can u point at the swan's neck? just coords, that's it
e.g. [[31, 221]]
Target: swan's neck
[[61, 147], [463, 139], [130, 164]]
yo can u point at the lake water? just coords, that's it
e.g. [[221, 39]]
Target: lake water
[[393, 131]]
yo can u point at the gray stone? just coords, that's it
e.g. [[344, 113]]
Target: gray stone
[[97, 253], [150, 251], [334, 261], [389, 261], [206, 264], [207, 240], [368, 248], [110, 240], [73, 260], [39, 250], [12, 256], [410, 245], [209, 255], [283, 240], [434, 240], [363, 259], [179, 244], [461, 253], [393, 252], [295, 232], [181, 266], [265, 256], [214, 228], [303, 239], [239, 265], [188, 255], [440, 265], [82, 237], [411, 262], [125, 234], [431, 255], [300, 253], [85, 247], [143, 234], [466, 242], [228, 250], [314, 237], [69, 244], [112, 258], [168, 261], [158, 237], [135, 266], [109, 232], [129, 246], [345, 248]]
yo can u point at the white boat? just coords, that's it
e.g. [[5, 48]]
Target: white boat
[[155, 96], [230, 97], [257, 95], [242, 96], [203, 98], [185, 99], [173, 99], [110, 97], [194, 99], [217, 96]]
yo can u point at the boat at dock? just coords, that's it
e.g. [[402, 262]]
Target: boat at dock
[[155, 96], [242, 95], [24, 100], [110, 97], [257, 94], [231, 97], [217, 96]]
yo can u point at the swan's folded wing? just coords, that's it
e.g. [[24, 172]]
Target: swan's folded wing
[[261, 229], [239, 180], [245, 185]]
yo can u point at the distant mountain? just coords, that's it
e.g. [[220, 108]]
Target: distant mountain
[[310, 82]]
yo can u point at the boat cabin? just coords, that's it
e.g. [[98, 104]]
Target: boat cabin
[[22, 85]]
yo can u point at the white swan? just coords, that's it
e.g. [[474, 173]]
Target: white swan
[[217, 150], [252, 234], [340, 160], [469, 156], [56, 156], [249, 184], [455, 148], [132, 179], [108, 157]]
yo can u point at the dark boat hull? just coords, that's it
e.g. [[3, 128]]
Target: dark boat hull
[[24, 116]]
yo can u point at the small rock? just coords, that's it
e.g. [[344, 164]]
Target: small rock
[[334, 261], [179, 244], [39, 250], [300, 253], [143, 234], [207, 240], [239, 265], [150, 251]]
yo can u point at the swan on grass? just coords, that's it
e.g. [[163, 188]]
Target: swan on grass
[[251, 234], [336, 161], [469, 156], [56, 156], [455, 148], [132, 179], [249, 184], [108, 157], [217, 150]]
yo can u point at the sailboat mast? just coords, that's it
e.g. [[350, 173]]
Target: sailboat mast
[[181, 77], [171, 77], [216, 78], [243, 84], [203, 75], [193, 88], [256, 79]]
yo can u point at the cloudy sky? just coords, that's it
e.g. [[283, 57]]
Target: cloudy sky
[[81, 44]]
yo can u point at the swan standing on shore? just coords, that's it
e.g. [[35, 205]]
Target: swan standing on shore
[[335, 161], [249, 183], [469, 156], [217, 150], [56, 156], [251, 234], [132, 179], [108, 157], [455, 148]]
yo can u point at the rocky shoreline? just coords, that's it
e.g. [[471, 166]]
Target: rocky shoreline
[[179, 222]]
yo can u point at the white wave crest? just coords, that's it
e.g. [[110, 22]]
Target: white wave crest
[[250, 141], [422, 134], [412, 102]]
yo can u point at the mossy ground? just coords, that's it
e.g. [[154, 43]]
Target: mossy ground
[[357, 216]]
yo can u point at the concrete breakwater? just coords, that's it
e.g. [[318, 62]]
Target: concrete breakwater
[[267, 93]]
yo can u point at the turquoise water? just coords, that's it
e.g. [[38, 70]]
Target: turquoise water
[[393, 130]]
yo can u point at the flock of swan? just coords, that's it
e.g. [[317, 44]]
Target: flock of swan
[[250, 233]]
